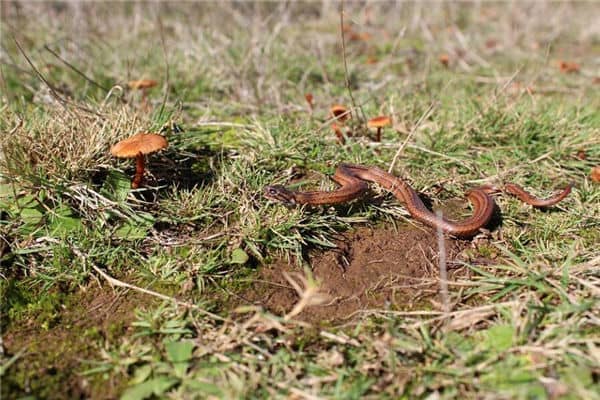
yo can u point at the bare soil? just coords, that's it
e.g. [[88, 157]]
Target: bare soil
[[372, 268]]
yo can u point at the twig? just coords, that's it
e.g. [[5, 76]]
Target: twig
[[84, 76], [222, 124], [309, 295], [63, 101], [346, 75], [442, 265], [423, 117], [115, 282], [167, 67]]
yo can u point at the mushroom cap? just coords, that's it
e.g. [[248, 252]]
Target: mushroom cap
[[444, 59], [337, 110], [142, 84], [595, 174], [144, 143], [379, 122]]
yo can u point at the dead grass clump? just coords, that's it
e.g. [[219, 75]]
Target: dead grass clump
[[60, 144]]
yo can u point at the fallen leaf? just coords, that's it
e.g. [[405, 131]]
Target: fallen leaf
[[491, 43], [359, 36], [568, 67]]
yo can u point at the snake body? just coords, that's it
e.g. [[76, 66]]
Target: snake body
[[352, 180]]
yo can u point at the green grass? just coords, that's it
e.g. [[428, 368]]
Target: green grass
[[231, 103]]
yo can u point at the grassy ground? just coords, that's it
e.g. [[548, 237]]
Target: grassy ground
[[167, 290]]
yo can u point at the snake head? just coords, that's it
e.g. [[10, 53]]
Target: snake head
[[280, 193]]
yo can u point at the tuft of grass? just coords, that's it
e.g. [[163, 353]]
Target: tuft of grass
[[230, 100]]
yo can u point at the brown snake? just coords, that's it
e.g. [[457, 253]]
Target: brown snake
[[353, 183]]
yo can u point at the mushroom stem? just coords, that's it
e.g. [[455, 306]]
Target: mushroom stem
[[144, 101], [378, 137], [139, 170], [338, 133]]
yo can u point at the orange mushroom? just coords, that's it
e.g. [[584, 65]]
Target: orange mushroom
[[359, 36], [595, 174], [340, 112], [568, 67], [444, 59], [338, 133], [379, 123], [143, 85], [137, 146], [309, 99]]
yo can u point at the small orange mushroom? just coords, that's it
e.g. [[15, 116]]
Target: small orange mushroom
[[595, 174], [491, 43], [137, 146], [309, 99], [338, 133], [379, 123], [340, 113], [143, 85], [359, 36], [444, 59], [568, 67]]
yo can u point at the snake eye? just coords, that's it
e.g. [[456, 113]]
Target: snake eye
[[271, 191]]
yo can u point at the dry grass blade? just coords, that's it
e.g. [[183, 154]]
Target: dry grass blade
[[115, 282], [423, 117], [308, 291]]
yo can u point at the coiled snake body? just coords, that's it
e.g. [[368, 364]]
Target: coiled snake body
[[353, 183]]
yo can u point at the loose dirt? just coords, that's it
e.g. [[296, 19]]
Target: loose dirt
[[372, 269]]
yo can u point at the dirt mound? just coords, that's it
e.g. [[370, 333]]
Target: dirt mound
[[372, 268]]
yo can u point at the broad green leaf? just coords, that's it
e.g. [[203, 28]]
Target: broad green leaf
[[129, 231], [141, 374], [144, 218], [239, 256], [499, 338], [179, 351], [27, 201], [31, 218], [204, 387], [157, 386], [116, 186], [31, 215], [63, 225], [6, 191], [180, 368], [63, 221], [458, 343], [139, 392]]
